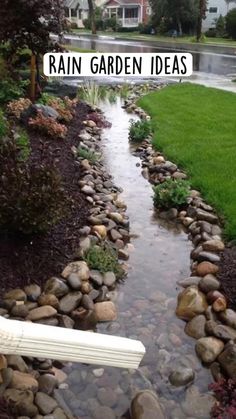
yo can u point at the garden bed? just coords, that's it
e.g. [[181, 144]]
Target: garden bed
[[25, 259]]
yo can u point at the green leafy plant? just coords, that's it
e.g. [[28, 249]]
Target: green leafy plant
[[171, 193], [104, 259], [23, 143], [139, 130], [92, 93], [32, 197], [11, 89], [90, 155], [230, 23]]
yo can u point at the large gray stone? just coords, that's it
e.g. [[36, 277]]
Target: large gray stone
[[196, 327], [69, 302], [181, 376], [227, 360]]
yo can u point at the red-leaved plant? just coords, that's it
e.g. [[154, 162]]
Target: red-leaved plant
[[48, 125], [99, 120], [225, 393]]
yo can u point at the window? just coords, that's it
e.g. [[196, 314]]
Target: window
[[67, 12], [73, 12], [213, 9], [131, 13]]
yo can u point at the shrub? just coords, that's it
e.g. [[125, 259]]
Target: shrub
[[139, 130], [104, 259], [3, 124], [145, 28], [225, 392], [48, 125], [65, 106], [32, 197], [171, 193], [230, 23], [88, 154], [220, 26], [10, 89], [17, 106]]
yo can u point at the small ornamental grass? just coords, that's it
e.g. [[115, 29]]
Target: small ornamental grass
[[104, 259], [139, 130], [171, 193], [89, 155]]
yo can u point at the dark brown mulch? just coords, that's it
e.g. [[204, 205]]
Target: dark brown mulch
[[227, 275], [25, 260]]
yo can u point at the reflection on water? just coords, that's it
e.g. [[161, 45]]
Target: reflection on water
[[206, 62], [146, 300]]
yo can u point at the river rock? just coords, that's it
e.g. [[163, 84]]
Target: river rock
[[208, 256], [208, 348], [85, 287], [115, 235], [196, 327], [227, 360], [32, 291], [66, 321], [103, 412], [20, 311], [96, 277], [23, 381], [101, 230], [213, 246], [187, 282], [41, 313], [220, 304], [74, 281], [191, 302], [16, 294], [88, 190], [87, 302], [56, 286], [21, 401], [197, 405], [45, 403], [209, 283], [229, 317], [205, 268], [109, 279], [47, 383], [3, 362], [48, 300], [117, 217], [80, 268], [223, 332], [84, 319], [181, 376], [17, 363], [105, 311], [69, 302], [206, 216], [146, 405]]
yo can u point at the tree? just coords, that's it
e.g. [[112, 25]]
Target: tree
[[28, 24], [230, 23], [175, 14], [201, 15], [92, 17]]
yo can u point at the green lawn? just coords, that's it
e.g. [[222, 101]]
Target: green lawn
[[196, 127], [77, 49], [137, 36]]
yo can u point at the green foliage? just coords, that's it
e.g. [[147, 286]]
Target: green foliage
[[46, 98], [220, 26], [124, 91], [32, 197], [89, 155], [171, 193], [230, 23], [139, 130], [3, 124], [10, 89], [92, 93], [23, 144], [104, 259]]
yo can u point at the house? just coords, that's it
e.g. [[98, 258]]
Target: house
[[76, 11], [128, 13], [215, 8]]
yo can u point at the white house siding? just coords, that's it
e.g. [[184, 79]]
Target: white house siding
[[215, 9]]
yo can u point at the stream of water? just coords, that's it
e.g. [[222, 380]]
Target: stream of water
[[146, 301]]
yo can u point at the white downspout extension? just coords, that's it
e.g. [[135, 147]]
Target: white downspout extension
[[41, 341]]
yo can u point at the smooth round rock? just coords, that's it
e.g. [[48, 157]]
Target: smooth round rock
[[205, 268], [146, 405], [196, 327], [181, 376], [209, 283], [208, 349], [191, 302]]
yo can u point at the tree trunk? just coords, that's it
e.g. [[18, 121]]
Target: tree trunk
[[179, 24], [92, 17], [201, 16]]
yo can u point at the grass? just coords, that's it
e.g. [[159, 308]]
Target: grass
[[196, 127], [77, 49], [136, 35]]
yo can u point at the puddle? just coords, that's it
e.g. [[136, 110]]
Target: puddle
[[146, 301]]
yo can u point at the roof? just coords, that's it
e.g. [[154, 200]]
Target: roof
[[123, 2], [77, 4]]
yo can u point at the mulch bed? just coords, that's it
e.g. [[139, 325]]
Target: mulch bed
[[227, 275], [27, 259]]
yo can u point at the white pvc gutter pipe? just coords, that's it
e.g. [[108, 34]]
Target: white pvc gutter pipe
[[30, 339]]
